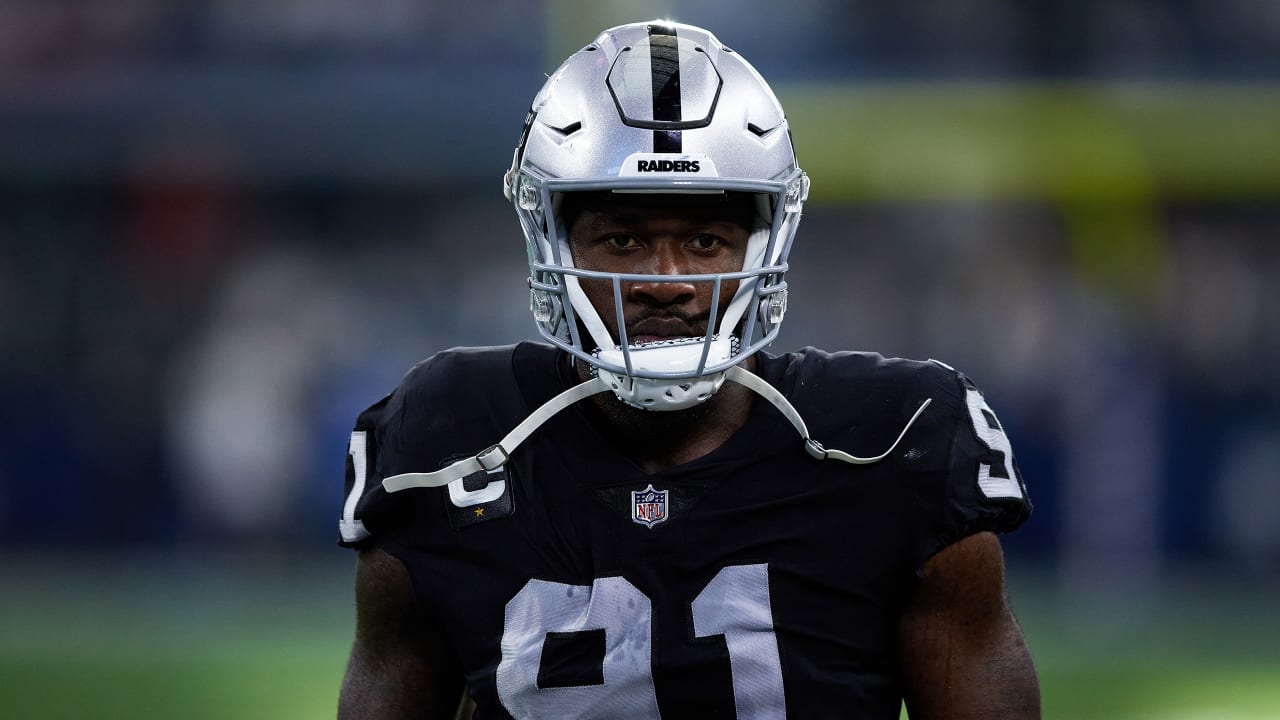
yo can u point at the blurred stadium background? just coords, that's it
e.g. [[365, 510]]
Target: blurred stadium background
[[226, 226]]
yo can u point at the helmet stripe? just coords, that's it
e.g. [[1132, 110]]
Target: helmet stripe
[[664, 68]]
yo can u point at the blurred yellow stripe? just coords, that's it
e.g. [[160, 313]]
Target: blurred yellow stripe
[[1065, 143]]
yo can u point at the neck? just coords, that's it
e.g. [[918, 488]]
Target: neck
[[657, 440]]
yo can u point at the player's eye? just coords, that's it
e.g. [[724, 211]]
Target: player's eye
[[705, 242], [621, 241]]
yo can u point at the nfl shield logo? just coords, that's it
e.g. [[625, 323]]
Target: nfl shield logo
[[649, 506]]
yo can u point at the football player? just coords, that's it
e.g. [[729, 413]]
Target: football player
[[648, 515]]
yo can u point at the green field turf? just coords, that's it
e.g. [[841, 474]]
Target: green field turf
[[219, 637]]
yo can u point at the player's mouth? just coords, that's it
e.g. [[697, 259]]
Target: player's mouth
[[652, 339], [660, 330]]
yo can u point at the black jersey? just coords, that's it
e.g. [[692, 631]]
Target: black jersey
[[753, 582]]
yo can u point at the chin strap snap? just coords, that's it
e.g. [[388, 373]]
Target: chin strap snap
[[496, 455], [755, 383]]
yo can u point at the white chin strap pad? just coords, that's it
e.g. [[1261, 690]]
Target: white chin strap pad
[[666, 394]]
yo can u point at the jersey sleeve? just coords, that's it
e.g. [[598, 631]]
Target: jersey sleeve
[[435, 415], [966, 477], [366, 507], [394, 435]]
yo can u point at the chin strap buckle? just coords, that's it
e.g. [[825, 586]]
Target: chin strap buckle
[[744, 377], [492, 457], [496, 455]]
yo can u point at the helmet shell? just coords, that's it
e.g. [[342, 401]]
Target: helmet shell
[[656, 107], [598, 108]]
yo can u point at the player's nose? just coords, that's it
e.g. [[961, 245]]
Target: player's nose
[[666, 259]]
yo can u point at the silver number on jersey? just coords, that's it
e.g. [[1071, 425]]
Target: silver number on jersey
[[351, 529], [611, 604], [992, 435], [734, 604]]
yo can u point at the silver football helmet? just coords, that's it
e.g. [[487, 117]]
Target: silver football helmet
[[657, 107]]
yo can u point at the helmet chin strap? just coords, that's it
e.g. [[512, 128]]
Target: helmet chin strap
[[495, 456], [813, 447]]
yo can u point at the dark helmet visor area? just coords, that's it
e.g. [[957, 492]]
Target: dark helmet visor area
[[736, 207]]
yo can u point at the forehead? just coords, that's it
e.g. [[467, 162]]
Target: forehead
[[626, 208]]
